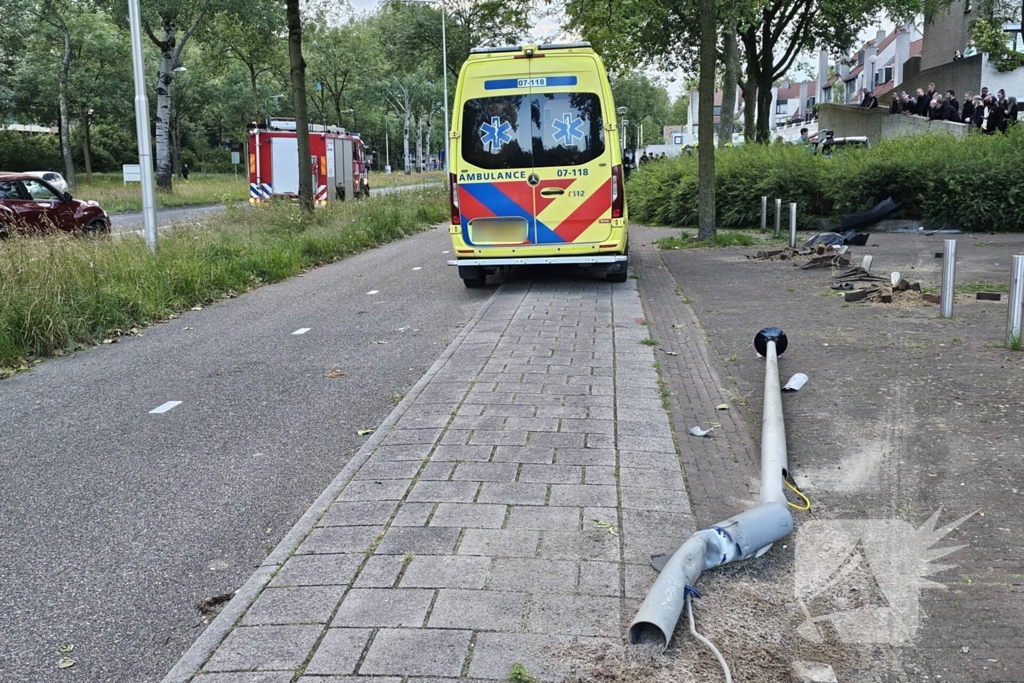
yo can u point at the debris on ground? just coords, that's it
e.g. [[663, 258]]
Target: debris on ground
[[697, 431], [989, 296], [818, 256], [864, 219], [812, 672], [796, 382], [207, 605], [364, 432], [334, 374]]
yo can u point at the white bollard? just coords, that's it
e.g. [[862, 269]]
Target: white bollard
[[792, 225], [778, 215], [948, 276], [764, 214], [1015, 314]]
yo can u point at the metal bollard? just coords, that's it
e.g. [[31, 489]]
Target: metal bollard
[[778, 215], [1015, 314], [948, 276], [764, 214], [792, 225]]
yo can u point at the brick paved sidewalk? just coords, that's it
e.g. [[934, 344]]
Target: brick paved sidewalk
[[471, 532]]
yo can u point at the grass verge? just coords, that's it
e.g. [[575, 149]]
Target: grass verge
[[60, 294], [110, 191], [721, 239]]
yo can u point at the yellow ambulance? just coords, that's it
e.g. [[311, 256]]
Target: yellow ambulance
[[536, 164]]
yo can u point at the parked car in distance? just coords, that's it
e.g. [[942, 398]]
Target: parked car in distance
[[52, 177], [32, 206]]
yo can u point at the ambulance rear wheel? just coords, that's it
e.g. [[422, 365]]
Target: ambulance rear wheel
[[473, 277], [620, 275]]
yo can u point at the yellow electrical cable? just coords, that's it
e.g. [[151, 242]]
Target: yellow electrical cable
[[797, 492]]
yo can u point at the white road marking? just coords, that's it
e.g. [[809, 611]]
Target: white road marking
[[373, 291], [165, 407], [418, 268], [301, 330]]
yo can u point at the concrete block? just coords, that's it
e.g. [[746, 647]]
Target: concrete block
[[264, 648], [812, 672], [417, 652], [339, 651], [384, 607]]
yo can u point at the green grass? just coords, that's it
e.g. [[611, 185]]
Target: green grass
[[981, 286], [109, 190], [379, 179], [519, 674], [721, 239], [649, 342], [63, 293]]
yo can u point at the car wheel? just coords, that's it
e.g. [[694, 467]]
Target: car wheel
[[96, 227], [618, 277]]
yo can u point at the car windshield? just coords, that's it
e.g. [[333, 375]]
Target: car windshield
[[535, 130], [39, 191]]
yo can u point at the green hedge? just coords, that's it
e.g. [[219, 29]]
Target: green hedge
[[976, 183]]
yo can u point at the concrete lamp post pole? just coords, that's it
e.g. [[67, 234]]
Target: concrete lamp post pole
[[142, 126]]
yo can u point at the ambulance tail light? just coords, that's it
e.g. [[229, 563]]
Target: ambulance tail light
[[453, 199], [618, 192]]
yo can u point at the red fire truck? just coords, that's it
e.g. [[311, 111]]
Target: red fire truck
[[337, 162]]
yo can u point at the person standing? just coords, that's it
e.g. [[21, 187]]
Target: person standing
[[951, 98], [1011, 112], [922, 103], [895, 107], [184, 171], [948, 112], [967, 115], [992, 117]]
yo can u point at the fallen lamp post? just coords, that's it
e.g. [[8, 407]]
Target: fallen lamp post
[[743, 536]]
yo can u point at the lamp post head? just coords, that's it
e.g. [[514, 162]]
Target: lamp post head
[[622, 110]]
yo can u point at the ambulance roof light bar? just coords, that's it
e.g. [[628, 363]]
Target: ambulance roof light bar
[[488, 50], [564, 46]]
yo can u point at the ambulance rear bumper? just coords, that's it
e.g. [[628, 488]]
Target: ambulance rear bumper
[[539, 260]]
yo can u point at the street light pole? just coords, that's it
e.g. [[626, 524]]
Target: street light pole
[[142, 126]]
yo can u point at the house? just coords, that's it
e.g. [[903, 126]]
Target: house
[[878, 65], [690, 129], [794, 101]]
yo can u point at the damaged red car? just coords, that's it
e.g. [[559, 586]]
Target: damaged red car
[[31, 206]]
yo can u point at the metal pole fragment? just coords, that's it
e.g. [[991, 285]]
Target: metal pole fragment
[[1014, 315], [764, 214], [792, 225], [948, 277], [778, 215], [142, 126], [748, 534]]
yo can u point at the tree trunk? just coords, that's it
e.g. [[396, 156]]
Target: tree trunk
[[87, 147], [764, 112], [298, 74], [65, 119], [419, 144], [706, 121], [429, 127], [164, 167], [729, 82], [405, 136], [255, 93], [749, 92]]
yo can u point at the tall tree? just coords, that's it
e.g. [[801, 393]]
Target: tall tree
[[252, 35], [706, 122], [298, 77], [166, 16], [731, 60], [57, 14]]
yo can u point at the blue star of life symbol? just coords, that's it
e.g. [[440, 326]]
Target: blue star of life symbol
[[496, 133], [568, 128]]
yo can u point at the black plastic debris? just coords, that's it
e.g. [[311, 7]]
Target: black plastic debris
[[864, 219]]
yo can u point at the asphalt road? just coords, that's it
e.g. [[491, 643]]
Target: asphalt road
[[116, 522], [132, 220]]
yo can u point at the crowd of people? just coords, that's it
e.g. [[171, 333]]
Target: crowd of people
[[990, 113]]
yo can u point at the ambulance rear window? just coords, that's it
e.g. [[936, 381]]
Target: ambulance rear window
[[571, 129], [535, 130], [496, 132]]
